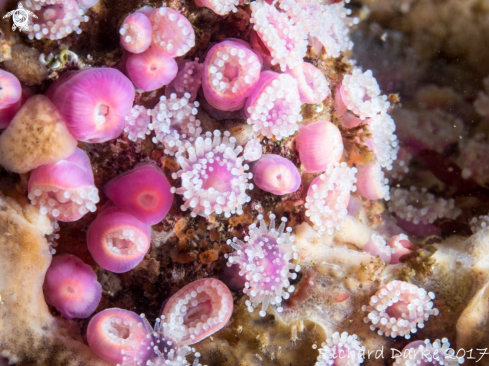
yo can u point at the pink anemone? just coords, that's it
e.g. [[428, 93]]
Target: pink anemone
[[276, 175], [188, 80], [341, 350], [71, 287], [136, 32], [371, 183], [313, 86], [10, 97]]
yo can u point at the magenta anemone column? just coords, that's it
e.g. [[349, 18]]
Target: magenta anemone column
[[93, 102], [10, 97], [65, 190], [276, 175], [231, 71], [143, 191], [117, 240], [71, 287]]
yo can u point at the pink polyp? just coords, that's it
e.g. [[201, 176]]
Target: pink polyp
[[231, 71], [93, 102], [276, 175], [319, 144], [188, 80], [198, 310], [371, 183], [261, 49], [64, 190], [274, 107], [71, 287], [151, 69], [312, 84], [339, 101], [10, 89], [136, 32], [377, 247], [117, 240], [172, 32], [221, 7], [143, 191], [403, 247], [115, 330]]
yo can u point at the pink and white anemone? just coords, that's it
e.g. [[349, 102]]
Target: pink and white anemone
[[312, 84], [71, 287], [56, 19], [371, 183], [136, 32], [188, 80], [253, 150], [360, 94], [420, 207], [64, 190], [264, 260], [117, 240], [384, 143], [274, 107], [286, 41], [231, 72], [10, 97], [400, 166], [93, 102], [220, 7], [173, 34], [327, 25], [402, 246], [399, 308], [197, 311], [175, 124], [138, 123], [151, 69], [328, 196], [213, 177], [143, 191], [319, 144], [113, 333], [425, 353], [377, 246], [276, 175], [341, 350]]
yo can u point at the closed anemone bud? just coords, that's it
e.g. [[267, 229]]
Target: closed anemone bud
[[136, 32], [93, 102], [286, 41], [188, 80], [264, 259], [425, 353], [312, 84], [10, 89], [276, 175], [252, 150], [114, 333], [214, 178], [403, 247], [151, 69], [319, 144], [117, 240], [55, 19], [221, 7], [399, 308], [328, 196], [198, 310], [143, 191], [371, 183], [172, 32], [341, 350], [71, 287], [378, 247], [274, 107], [64, 190], [231, 71]]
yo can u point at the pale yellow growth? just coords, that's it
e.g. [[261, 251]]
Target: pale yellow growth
[[36, 136], [354, 232], [29, 334]]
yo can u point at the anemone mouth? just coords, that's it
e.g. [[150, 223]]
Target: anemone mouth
[[126, 241], [64, 204], [102, 114], [218, 179], [118, 329], [148, 200]]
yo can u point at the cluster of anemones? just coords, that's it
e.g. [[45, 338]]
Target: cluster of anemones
[[192, 314]]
